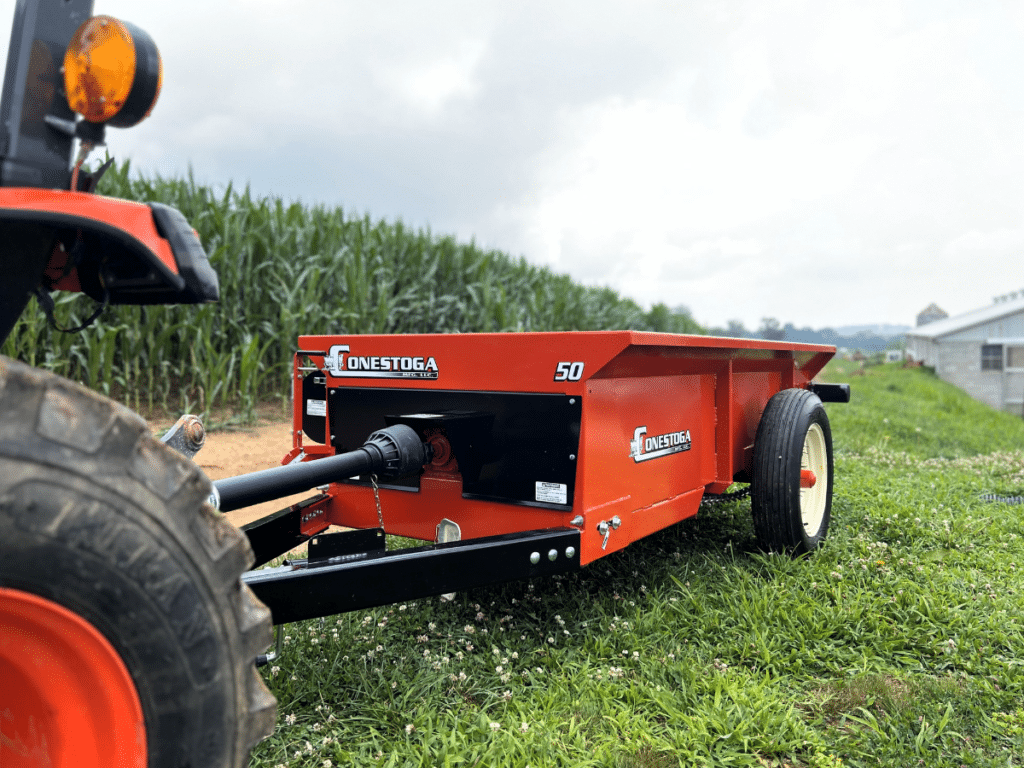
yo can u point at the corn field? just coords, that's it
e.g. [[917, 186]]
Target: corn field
[[289, 269]]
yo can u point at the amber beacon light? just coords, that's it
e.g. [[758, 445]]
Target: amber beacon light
[[112, 72]]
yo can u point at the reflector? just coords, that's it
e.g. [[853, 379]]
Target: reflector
[[112, 72]]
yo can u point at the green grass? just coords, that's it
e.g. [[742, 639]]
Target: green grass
[[898, 644]]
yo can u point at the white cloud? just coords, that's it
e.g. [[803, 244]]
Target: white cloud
[[824, 163]]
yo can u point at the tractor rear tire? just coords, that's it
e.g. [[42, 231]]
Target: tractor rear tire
[[121, 607], [793, 439]]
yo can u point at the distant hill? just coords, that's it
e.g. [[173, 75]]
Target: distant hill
[[876, 330], [864, 340], [867, 338]]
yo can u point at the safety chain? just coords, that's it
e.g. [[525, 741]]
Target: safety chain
[[722, 498], [376, 498]]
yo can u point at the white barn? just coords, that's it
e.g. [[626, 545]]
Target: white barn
[[981, 351]]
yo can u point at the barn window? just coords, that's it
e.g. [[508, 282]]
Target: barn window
[[1015, 357], [991, 357]]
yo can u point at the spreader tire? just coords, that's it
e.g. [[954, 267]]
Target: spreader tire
[[793, 435], [107, 541]]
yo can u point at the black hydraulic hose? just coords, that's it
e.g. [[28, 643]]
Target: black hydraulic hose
[[394, 451]]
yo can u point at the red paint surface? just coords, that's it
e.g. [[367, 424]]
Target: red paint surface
[[713, 389], [80, 210], [68, 700]]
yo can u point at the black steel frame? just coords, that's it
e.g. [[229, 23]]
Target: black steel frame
[[350, 581]]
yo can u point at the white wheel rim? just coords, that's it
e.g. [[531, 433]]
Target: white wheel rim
[[813, 500]]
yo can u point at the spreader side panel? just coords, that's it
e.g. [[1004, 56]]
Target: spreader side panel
[[647, 443]]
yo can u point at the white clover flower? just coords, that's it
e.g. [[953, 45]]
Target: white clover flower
[[495, 726], [410, 728]]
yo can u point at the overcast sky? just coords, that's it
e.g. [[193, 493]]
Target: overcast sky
[[825, 163]]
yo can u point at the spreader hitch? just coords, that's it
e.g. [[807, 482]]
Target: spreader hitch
[[394, 451]]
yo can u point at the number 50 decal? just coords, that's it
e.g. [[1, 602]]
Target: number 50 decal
[[569, 372]]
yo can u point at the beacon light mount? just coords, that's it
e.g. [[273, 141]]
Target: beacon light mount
[[112, 76]]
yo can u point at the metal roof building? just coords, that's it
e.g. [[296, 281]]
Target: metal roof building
[[981, 351]]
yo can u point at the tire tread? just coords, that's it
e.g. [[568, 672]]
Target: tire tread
[[774, 496], [57, 436]]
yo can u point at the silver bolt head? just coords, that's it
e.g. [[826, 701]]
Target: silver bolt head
[[553, 555], [535, 557], [570, 552]]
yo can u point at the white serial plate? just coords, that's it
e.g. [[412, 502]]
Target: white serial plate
[[316, 407], [551, 493]]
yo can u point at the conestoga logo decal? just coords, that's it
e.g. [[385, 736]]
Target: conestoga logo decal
[[643, 448], [341, 364]]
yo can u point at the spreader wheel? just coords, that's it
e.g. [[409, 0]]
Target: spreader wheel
[[126, 636], [791, 492]]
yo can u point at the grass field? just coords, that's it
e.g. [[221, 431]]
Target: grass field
[[898, 644]]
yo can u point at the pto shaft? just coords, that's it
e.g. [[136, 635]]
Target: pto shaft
[[395, 451]]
